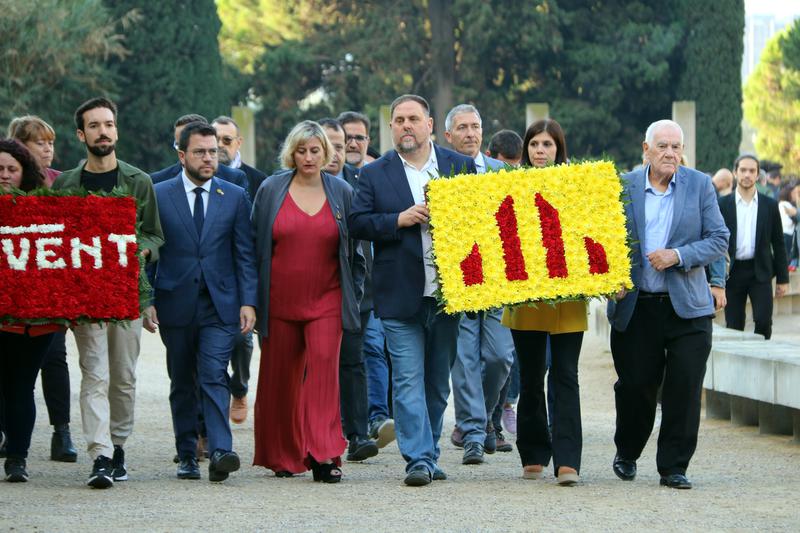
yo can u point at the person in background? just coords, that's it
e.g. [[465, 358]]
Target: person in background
[[39, 137], [723, 182], [23, 348], [562, 325], [506, 146], [485, 350], [376, 358], [230, 142], [352, 371], [788, 207]]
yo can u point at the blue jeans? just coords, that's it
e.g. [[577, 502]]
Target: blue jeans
[[377, 370], [480, 371], [421, 349]]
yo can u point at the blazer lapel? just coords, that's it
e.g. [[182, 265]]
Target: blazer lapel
[[177, 194], [215, 198], [636, 188], [678, 201], [398, 180], [761, 221]]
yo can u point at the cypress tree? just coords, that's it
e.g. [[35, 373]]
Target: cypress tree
[[174, 67], [711, 62]]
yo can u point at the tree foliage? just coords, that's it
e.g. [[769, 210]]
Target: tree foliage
[[607, 67], [53, 55], [708, 73], [772, 100], [174, 68]]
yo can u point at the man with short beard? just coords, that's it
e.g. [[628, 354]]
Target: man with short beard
[[108, 352], [389, 210], [204, 296]]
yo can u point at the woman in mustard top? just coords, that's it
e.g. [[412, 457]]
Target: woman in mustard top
[[564, 324]]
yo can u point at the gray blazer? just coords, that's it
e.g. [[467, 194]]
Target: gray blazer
[[697, 232], [268, 201]]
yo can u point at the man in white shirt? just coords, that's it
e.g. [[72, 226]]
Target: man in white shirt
[[756, 248], [389, 210]]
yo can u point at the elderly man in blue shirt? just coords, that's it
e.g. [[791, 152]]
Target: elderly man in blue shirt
[[661, 330]]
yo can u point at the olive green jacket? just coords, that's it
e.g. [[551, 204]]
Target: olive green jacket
[[139, 185]]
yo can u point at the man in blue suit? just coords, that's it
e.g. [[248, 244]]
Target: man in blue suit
[[389, 209], [205, 293], [485, 346], [661, 330], [224, 172]]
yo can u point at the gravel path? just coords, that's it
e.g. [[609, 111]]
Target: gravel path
[[743, 480]]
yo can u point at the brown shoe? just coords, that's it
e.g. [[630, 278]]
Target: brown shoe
[[567, 476], [239, 410], [202, 448]]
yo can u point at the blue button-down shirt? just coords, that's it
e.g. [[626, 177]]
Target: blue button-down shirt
[[658, 208]]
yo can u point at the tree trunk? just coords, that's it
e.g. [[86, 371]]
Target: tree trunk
[[443, 62]]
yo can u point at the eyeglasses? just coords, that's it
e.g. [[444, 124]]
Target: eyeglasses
[[357, 138], [201, 153]]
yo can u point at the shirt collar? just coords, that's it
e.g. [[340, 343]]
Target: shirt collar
[[237, 161], [740, 200], [190, 187], [431, 162], [480, 163], [649, 187]]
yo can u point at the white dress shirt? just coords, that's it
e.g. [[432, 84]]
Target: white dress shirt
[[417, 179], [190, 195], [746, 215]]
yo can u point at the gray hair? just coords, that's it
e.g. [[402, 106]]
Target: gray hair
[[457, 110], [302, 133], [657, 125]]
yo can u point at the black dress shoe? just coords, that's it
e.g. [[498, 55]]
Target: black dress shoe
[[473, 453], [676, 481], [624, 468], [361, 449], [222, 463], [189, 469], [418, 477], [439, 474]]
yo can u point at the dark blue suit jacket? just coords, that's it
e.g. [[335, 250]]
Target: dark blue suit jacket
[[224, 254], [398, 272], [231, 175]]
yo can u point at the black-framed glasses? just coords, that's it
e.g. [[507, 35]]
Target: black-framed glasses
[[357, 138]]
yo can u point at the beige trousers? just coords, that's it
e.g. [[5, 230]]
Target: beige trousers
[[107, 356]]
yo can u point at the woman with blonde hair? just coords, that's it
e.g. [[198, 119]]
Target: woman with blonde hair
[[310, 284]]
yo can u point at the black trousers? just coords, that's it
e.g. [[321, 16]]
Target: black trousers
[[21, 357], [659, 345], [534, 440], [741, 284], [353, 382], [55, 380]]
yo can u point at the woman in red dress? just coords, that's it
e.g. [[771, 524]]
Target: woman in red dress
[[310, 284]]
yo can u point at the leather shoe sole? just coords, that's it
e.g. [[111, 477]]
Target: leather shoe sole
[[676, 481]]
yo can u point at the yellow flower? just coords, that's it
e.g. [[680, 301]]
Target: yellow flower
[[587, 199]]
